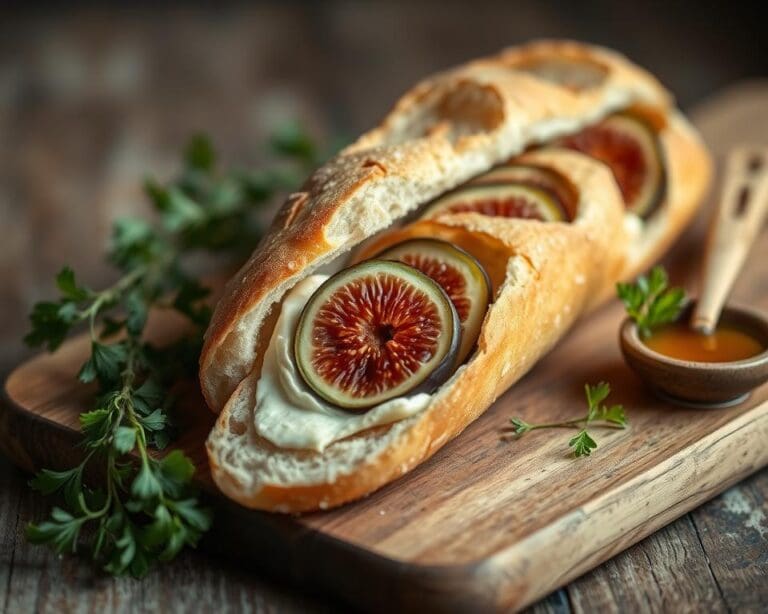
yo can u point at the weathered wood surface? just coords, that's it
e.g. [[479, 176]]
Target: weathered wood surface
[[488, 521], [711, 560], [107, 134]]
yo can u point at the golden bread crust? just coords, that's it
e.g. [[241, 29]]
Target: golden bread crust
[[446, 130]]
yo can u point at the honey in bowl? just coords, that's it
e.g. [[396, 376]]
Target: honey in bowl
[[726, 344]]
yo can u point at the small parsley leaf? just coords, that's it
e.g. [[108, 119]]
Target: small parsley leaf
[[154, 421], [125, 439], [650, 302], [48, 481], [199, 153], [105, 363], [583, 444], [146, 484], [65, 281], [520, 426], [614, 414], [50, 324]]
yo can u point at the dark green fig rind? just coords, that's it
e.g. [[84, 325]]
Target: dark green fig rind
[[428, 379]]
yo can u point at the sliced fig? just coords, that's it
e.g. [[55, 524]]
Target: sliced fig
[[376, 331], [537, 176], [512, 200], [461, 276], [630, 148]]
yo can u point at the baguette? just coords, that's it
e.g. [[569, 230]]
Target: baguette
[[445, 131]]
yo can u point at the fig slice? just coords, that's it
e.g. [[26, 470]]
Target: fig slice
[[515, 200], [376, 331], [461, 276], [631, 149], [537, 176]]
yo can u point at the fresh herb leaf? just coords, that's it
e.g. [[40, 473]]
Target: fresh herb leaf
[[291, 140], [50, 324], [155, 421], [125, 439], [650, 302], [61, 532], [48, 481], [614, 415], [597, 394], [65, 281], [520, 426], [146, 484], [148, 510], [105, 364], [583, 444], [199, 153]]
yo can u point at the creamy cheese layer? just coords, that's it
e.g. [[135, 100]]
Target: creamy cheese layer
[[288, 414], [633, 225]]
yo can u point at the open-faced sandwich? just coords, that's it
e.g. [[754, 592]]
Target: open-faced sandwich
[[428, 266]]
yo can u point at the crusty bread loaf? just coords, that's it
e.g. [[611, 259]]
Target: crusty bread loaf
[[443, 132]]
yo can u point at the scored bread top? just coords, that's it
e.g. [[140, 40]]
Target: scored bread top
[[444, 131]]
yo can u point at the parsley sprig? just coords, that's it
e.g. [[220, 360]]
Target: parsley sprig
[[147, 509], [597, 414], [650, 302]]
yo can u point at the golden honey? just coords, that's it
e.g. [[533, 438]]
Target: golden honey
[[726, 344]]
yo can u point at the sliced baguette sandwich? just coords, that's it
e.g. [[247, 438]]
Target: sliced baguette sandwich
[[560, 107]]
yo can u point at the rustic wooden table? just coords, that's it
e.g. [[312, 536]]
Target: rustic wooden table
[[90, 101]]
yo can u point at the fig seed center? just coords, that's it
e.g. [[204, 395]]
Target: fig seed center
[[373, 333]]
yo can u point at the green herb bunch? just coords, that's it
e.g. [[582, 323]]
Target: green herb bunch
[[147, 509], [650, 302], [597, 414]]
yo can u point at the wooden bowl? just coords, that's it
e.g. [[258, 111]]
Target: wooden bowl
[[710, 384]]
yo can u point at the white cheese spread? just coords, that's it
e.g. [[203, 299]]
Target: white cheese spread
[[288, 414], [633, 226]]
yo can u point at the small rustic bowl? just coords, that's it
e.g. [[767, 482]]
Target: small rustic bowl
[[692, 383]]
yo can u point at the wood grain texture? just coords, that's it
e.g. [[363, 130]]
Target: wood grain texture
[[31, 580], [736, 525], [231, 73], [489, 521]]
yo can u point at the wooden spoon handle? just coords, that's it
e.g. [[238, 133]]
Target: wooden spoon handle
[[739, 216]]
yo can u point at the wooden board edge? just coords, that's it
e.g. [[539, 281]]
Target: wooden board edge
[[679, 484], [24, 436], [695, 474], [20, 427]]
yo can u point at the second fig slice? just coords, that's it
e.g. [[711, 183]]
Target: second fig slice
[[459, 273]]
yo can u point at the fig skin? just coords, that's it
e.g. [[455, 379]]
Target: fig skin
[[478, 198], [425, 382], [535, 176], [633, 127], [452, 255]]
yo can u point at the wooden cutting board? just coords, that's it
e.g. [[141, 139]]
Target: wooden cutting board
[[490, 521]]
